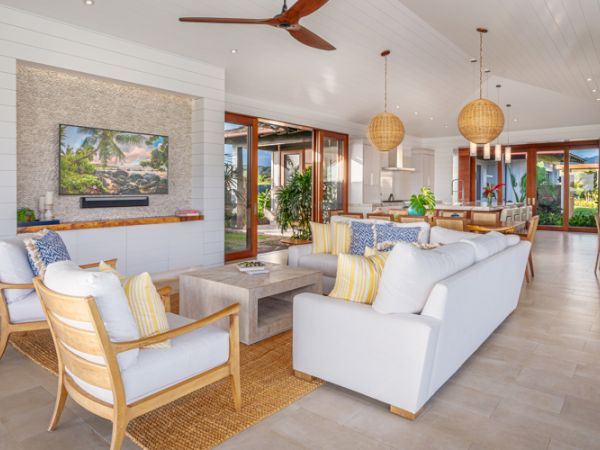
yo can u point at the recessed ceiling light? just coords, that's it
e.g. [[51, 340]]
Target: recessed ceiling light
[[89, 2], [445, 126], [397, 106], [234, 50], [515, 120], [431, 118], [473, 60], [589, 79], [594, 90], [416, 113], [598, 99], [487, 70]]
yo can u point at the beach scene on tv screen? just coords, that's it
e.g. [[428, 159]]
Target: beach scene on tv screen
[[97, 161]]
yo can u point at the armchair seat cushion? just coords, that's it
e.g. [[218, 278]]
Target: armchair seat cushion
[[27, 309], [158, 368], [15, 268]]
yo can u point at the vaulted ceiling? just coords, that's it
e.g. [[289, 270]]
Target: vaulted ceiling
[[542, 52]]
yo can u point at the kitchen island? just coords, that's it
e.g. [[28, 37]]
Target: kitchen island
[[465, 209]]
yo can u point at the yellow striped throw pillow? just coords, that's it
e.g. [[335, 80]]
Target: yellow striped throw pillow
[[145, 304], [321, 237], [357, 278], [341, 238]]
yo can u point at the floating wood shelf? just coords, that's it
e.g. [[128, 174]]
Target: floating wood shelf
[[86, 225]]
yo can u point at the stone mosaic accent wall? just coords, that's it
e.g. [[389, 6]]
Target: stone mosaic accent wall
[[46, 98]]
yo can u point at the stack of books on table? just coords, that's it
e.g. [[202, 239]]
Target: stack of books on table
[[252, 267]]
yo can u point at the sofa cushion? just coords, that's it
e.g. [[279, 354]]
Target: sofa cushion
[[391, 233], [486, 245], [358, 277], [156, 369], [423, 237], [26, 309], [67, 278], [410, 273], [145, 303], [321, 237], [363, 235], [45, 248], [15, 268], [324, 263], [340, 237], [441, 235]]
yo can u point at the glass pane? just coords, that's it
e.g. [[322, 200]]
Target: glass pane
[[237, 186], [583, 187], [549, 187], [333, 173], [486, 172], [515, 174]]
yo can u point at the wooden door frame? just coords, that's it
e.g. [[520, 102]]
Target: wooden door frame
[[470, 183], [318, 186], [252, 202]]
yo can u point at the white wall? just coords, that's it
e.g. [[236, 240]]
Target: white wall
[[27, 37]]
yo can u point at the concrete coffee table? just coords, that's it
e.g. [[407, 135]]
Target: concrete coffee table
[[265, 300]]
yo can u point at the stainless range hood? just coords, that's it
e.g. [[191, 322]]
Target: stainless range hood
[[396, 163]]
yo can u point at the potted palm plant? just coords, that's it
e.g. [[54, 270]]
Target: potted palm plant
[[422, 203], [294, 205]]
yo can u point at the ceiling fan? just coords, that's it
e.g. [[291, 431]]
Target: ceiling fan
[[287, 20]]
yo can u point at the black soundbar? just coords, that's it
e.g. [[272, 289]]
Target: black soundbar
[[114, 202]]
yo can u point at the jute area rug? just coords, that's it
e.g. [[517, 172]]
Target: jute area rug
[[206, 417]]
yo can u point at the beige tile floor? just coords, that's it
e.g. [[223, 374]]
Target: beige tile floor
[[535, 384]]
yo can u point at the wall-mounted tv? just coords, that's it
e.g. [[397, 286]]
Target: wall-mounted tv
[[97, 161]]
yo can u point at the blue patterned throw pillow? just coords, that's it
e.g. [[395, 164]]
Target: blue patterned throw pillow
[[391, 233], [362, 236], [45, 248]]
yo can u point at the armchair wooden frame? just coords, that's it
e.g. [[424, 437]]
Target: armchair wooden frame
[[68, 340], [7, 327]]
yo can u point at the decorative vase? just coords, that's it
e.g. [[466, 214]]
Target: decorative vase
[[490, 201], [483, 202], [412, 211]]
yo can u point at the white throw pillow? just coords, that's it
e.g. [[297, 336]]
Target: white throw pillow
[[15, 268], [486, 245], [67, 278], [441, 235], [425, 228], [410, 274]]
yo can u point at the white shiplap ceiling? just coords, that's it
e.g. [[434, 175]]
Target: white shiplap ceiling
[[541, 51]]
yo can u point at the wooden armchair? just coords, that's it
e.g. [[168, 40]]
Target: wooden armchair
[[379, 216], [452, 223], [37, 321], [92, 339], [412, 219], [530, 236]]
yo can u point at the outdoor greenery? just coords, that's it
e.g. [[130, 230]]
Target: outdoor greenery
[[294, 202], [583, 217], [521, 184], [264, 202], [422, 202]]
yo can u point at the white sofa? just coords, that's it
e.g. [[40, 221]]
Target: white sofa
[[302, 255], [403, 359]]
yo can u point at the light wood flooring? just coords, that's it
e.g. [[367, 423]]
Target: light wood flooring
[[535, 384]]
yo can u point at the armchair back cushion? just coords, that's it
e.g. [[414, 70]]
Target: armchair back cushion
[[15, 268], [69, 279], [410, 273], [45, 248]]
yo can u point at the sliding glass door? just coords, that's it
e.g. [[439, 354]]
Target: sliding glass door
[[240, 168], [330, 190]]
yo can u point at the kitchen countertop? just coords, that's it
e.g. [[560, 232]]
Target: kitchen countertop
[[473, 206]]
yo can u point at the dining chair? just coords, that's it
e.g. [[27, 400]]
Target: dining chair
[[380, 216], [530, 236], [452, 223], [507, 215], [453, 214], [25, 314], [335, 212], [597, 266], [89, 372], [412, 219], [485, 217], [352, 215]]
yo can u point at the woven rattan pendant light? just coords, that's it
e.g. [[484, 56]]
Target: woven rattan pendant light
[[386, 130], [481, 121]]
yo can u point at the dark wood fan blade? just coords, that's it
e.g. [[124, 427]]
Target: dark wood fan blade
[[303, 8], [309, 38], [227, 20]]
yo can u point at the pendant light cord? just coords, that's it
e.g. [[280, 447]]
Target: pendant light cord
[[481, 64], [385, 83]]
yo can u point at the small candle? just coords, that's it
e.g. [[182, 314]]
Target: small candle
[[49, 197]]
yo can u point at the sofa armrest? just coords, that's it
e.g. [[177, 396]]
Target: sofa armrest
[[384, 356], [295, 252]]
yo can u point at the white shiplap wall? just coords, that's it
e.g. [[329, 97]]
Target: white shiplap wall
[[153, 248]]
